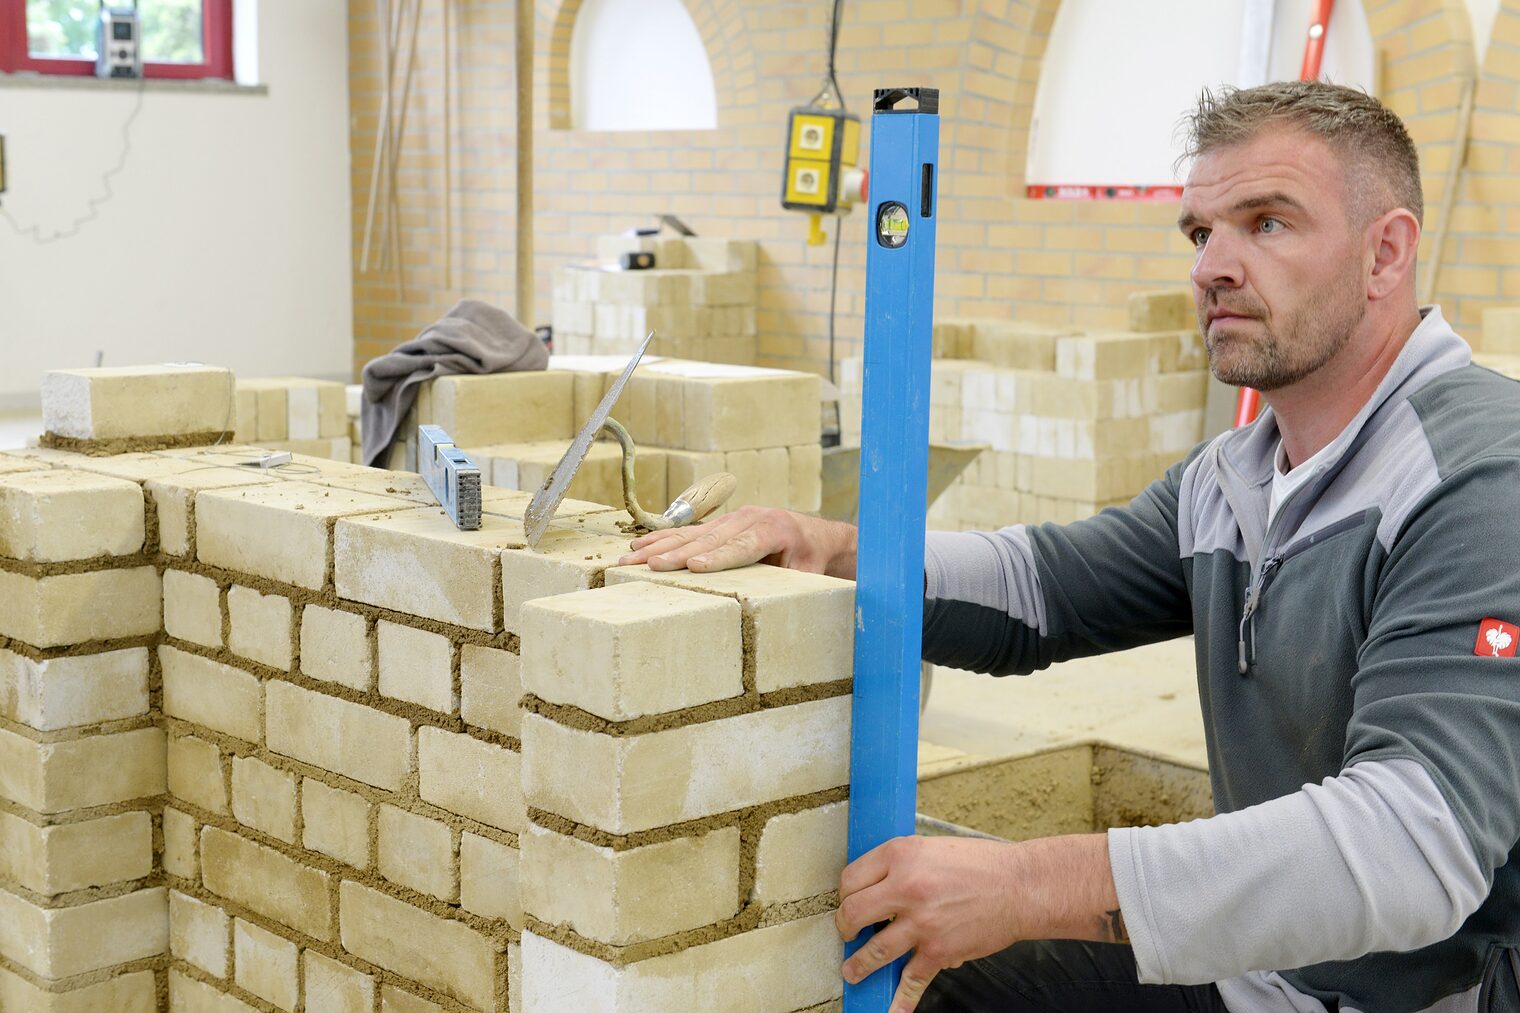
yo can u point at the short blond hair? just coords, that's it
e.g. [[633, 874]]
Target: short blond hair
[[1371, 140]]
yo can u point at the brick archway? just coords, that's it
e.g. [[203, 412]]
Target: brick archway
[[717, 24]]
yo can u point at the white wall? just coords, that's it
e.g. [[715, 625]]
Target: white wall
[[227, 238], [1117, 78], [639, 65]]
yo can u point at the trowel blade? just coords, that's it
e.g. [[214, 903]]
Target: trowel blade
[[547, 499]]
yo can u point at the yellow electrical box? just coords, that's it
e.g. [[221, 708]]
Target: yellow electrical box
[[822, 152]]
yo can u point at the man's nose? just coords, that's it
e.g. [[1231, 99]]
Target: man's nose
[[1219, 263]]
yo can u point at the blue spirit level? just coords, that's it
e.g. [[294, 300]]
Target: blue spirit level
[[894, 462]]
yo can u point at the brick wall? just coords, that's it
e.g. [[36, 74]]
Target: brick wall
[[288, 739], [1000, 255]]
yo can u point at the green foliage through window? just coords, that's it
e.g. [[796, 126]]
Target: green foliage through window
[[171, 30]]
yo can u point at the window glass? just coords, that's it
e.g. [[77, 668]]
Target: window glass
[[172, 31]]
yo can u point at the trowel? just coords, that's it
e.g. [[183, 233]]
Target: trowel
[[701, 499]]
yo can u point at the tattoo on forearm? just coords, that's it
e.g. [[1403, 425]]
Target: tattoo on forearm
[[1113, 926]]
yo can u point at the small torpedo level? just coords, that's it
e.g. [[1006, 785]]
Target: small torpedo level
[[894, 464], [452, 476]]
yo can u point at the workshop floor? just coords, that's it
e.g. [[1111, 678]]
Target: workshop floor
[[1144, 700]]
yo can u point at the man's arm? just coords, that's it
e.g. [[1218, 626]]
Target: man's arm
[[951, 899]]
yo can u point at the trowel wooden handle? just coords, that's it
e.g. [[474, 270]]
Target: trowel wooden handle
[[708, 494]]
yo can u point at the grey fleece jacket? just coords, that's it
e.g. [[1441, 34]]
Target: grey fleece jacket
[[1363, 735]]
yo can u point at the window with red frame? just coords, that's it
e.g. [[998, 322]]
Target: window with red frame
[[184, 39]]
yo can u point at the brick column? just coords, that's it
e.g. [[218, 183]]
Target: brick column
[[83, 913], [685, 757]]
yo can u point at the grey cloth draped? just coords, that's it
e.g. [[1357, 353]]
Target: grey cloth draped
[[473, 337]]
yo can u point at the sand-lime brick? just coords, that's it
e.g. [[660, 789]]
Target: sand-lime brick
[[181, 856], [490, 689], [61, 942], [199, 933], [801, 624], [210, 693], [192, 608], [73, 690], [72, 608], [620, 784], [478, 780], [335, 986], [266, 881], [259, 626], [126, 402], [335, 647], [634, 894], [784, 967], [264, 797], [417, 852], [59, 515], [632, 650], [54, 777], [440, 953], [417, 666], [489, 879], [336, 822], [279, 532], [801, 854], [51, 860], [265, 964], [196, 774], [338, 735]]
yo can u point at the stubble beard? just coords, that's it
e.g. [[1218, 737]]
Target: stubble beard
[[1273, 357]]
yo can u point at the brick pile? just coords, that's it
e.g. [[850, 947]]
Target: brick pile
[[1075, 422], [699, 299], [296, 414], [290, 740], [689, 419]]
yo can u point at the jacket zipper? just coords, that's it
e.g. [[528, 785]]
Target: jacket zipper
[[1258, 587], [1253, 601]]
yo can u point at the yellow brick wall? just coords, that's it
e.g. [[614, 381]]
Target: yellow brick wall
[[1000, 255], [289, 739]]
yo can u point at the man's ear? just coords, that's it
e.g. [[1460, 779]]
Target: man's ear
[[1394, 243]]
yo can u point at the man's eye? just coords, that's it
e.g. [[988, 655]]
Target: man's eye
[[1199, 237], [1271, 225]]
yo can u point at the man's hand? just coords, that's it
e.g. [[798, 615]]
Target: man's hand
[[751, 535], [952, 899]]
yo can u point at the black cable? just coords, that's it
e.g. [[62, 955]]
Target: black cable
[[34, 232], [838, 229]]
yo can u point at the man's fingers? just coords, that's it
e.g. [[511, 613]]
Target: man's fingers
[[917, 974], [868, 869], [886, 945], [870, 906]]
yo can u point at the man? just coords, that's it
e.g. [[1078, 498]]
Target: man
[[1350, 568]]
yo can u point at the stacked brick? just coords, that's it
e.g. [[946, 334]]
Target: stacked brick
[[698, 299], [295, 414], [83, 909], [265, 745], [689, 420], [1074, 422], [685, 785]]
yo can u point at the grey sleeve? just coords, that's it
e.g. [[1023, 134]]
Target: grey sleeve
[[1372, 859], [1023, 598]]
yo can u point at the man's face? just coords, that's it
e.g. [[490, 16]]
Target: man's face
[[1278, 278]]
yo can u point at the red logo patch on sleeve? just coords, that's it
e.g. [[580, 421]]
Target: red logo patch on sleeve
[[1496, 639]]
